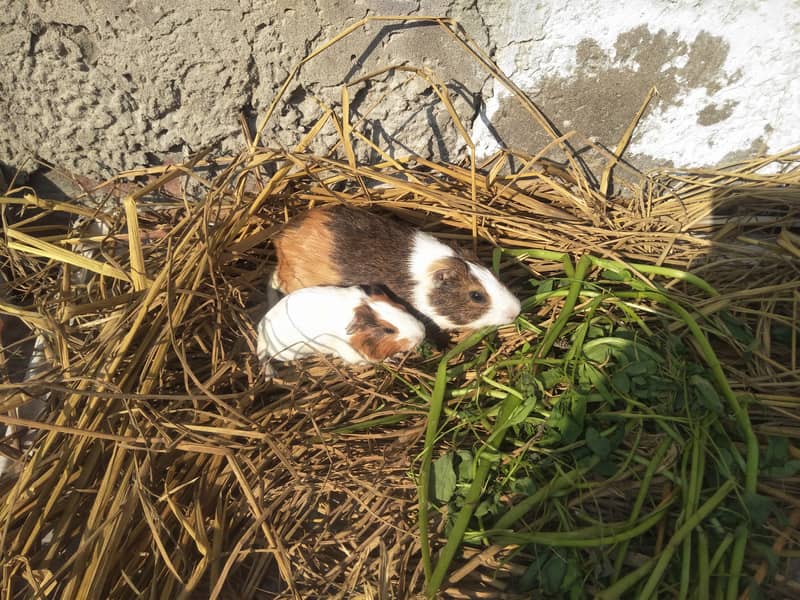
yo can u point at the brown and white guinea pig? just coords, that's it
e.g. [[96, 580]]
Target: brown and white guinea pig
[[341, 245], [347, 322]]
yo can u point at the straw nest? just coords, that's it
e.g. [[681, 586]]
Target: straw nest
[[165, 465]]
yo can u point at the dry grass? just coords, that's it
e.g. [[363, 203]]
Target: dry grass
[[167, 466]]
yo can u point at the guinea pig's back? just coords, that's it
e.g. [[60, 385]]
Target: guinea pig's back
[[278, 329], [340, 245], [308, 320]]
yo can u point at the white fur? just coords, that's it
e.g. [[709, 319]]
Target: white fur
[[426, 250], [314, 321]]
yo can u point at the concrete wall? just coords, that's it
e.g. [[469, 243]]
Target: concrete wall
[[96, 86]]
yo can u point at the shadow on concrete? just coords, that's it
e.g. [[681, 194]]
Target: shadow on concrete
[[383, 34]]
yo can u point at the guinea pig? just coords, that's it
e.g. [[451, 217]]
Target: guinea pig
[[341, 245], [347, 322]]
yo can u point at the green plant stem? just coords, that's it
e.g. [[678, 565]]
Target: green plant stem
[[657, 270], [716, 558], [561, 482], [626, 583], [710, 357], [480, 359], [692, 499], [472, 497], [623, 344], [737, 562], [580, 335], [619, 267], [683, 531], [703, 571], [569, 303], [650, 471], [434, 414], [588, 537], [751, 442], [374, 422], [454, 539]]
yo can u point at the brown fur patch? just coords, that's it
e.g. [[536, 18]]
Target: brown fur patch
[[456, 292], [304, 249], [371, 249], [368, 337]]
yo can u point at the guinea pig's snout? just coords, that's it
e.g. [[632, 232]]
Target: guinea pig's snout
[[407, 344], [514, 313], [398, 333], [404, 348]]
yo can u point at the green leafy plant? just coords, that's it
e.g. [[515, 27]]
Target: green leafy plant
[[621, 396]]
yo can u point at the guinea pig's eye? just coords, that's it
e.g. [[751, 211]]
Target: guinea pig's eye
[[388, 330], [477, 297]]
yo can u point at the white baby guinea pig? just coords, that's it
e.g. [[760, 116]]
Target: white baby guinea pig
[[342, 245], [341, 321]]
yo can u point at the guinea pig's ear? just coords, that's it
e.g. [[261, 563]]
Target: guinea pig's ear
[[448, 269], [363, 317]]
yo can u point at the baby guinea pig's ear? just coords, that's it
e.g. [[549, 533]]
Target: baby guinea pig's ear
[[363, 318]]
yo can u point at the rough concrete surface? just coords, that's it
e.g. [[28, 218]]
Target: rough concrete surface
[[96, 86], [726, 73]]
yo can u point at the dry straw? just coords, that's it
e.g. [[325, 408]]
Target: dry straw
[[166, 466]]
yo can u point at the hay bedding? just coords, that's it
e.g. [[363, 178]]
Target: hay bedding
[[166, 466]]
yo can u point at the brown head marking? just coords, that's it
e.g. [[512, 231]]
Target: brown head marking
[[456, 292], [373, 337]]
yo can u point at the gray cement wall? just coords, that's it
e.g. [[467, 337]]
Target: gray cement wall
[[96, 86]]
